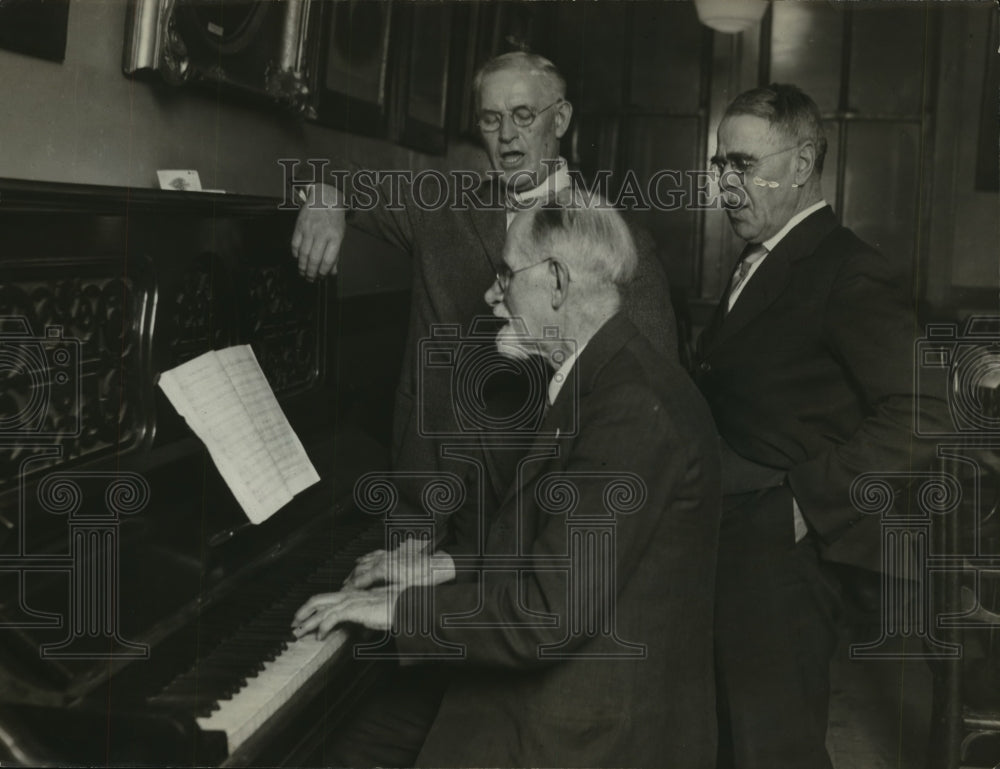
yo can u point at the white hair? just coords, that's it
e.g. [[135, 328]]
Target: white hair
[[588, 235], [530, 62]]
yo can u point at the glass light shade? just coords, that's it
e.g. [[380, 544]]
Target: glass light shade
[[730, 16]]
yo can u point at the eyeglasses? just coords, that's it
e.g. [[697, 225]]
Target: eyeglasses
[[523, 116], [740, 163], [505, 273]]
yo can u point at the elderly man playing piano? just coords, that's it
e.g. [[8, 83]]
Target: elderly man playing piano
[[631, 684], [522, 114]]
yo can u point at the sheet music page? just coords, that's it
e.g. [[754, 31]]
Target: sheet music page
[[227, 402], [272, 426]]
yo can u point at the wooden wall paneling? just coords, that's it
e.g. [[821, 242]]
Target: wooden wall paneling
[[353, 84], [468, 55], [666, 87], [960, 272], [887, 59], [889, 73], [987, 168], [882, 186], [832, 191], [424, 73], [665, 45], [807, 49], [590, 49], [594, 148], [662, 142], [928, 141]]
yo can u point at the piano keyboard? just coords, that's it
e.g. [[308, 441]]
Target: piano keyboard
[[250, 663], [243, 714]]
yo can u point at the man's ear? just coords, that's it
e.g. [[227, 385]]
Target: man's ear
[[805, 163], [564, 113], [560, 288]]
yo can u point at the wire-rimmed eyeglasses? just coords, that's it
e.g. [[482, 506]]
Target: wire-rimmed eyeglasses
[[740, 163], [505, 273], [523, 116]]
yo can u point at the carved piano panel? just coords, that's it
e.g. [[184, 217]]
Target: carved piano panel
[[282, 324], [127, 570], [72, 361]]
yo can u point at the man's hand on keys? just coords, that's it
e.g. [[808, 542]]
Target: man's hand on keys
[[322, 613], [408, 565]]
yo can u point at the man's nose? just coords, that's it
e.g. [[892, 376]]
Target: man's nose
[[508, 131], [493, 294], [731, 179]]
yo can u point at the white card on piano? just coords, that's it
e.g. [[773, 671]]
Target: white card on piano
[[228, 403]]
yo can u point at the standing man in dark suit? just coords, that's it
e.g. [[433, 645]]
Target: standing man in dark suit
[[624, 676], [522, 114], [808, 368]]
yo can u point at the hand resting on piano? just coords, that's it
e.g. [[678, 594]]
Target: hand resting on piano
[[360, 603], [319, 231], [404, 562]]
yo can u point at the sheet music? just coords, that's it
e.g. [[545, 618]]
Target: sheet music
[[227, 402]]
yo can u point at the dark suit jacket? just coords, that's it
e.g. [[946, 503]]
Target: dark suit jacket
[[812, 373], [510, 705], [455, 254]]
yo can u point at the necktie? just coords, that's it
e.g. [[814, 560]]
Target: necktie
[[752, 254]]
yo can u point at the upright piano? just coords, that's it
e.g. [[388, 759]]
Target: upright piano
[[143, 621]]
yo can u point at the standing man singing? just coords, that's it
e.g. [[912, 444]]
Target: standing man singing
[[808, 368], [522, 114]]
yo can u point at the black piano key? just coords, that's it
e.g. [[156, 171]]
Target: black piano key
[[207, 688], [230, 667], [188, 703]]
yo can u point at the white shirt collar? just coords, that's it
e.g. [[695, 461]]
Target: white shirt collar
[[554, 183], [771, 242], [562, 373]]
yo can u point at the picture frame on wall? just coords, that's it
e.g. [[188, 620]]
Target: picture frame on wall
[[253, 47], [987, 166], [351, 85], [424, 75], [35, 28]]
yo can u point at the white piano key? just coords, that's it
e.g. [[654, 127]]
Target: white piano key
[[249, 708]]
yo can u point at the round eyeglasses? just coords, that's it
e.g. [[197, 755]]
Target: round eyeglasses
[[505, 273], [523, 116], [740, 163]]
